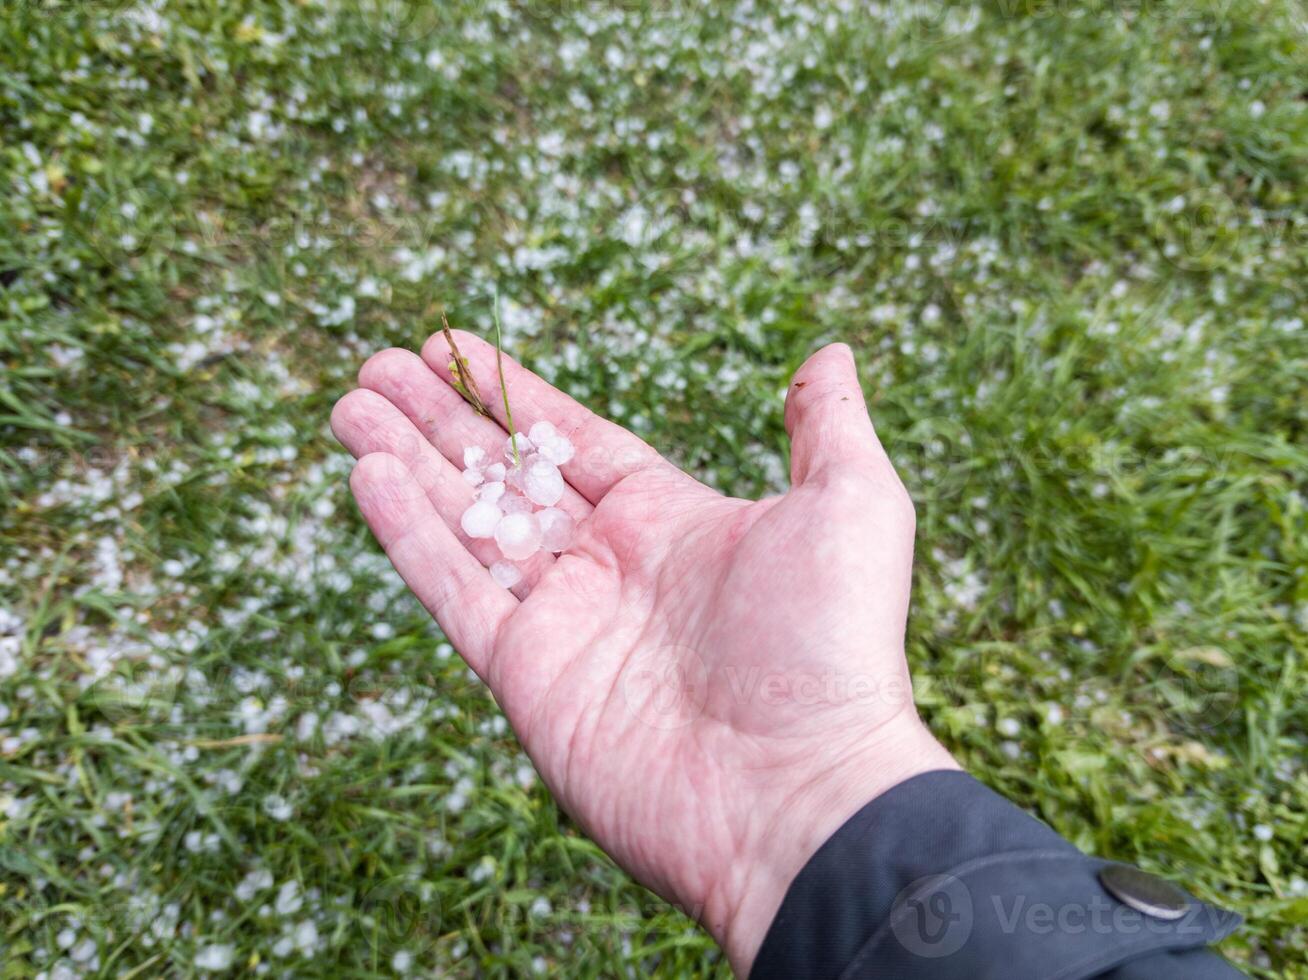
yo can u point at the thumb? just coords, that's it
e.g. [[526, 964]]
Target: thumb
[[827, 420]]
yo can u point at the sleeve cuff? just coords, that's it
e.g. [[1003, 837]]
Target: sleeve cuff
[[941, 877]]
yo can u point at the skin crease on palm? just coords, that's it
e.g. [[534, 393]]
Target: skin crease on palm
[[709, 686]]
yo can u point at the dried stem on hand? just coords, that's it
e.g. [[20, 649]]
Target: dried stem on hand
[[464, 383]]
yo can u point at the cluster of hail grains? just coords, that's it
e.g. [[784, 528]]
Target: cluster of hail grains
[[509, 493]]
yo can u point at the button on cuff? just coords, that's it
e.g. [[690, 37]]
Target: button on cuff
[[1144, 892]]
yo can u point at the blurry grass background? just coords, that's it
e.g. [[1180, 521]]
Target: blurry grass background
[[1067, 240]]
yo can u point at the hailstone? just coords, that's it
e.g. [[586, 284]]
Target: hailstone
[[518, 536], [543, 483], [556, 527], [515, 499], [505, 573], [481, 519]]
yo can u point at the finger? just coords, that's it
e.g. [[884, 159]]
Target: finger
[[441, 414], [606, 452], [449, 581], [828, 422], [365, 423]]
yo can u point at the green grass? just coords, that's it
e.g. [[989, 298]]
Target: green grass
[[1068, 242]]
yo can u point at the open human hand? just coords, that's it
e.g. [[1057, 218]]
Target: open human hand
[[709, 686]]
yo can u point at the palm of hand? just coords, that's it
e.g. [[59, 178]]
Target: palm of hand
[[703, 682]]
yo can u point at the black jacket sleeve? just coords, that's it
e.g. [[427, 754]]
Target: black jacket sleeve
[[942, 878]]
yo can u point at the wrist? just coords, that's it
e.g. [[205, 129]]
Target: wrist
[[840, 781]]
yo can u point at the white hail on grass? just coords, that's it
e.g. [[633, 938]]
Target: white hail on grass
[[216, 958]]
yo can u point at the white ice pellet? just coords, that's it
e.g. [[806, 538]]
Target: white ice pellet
[[550, 442], [495, 472], [490, 491], [542, 432], [215, 959], [558, 451], [505, 574], [473, 478], [524, 446], [556, 527], [515, 473], [518, 536], [515, 503], [543, 483], [480, 520], [474, 457]]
